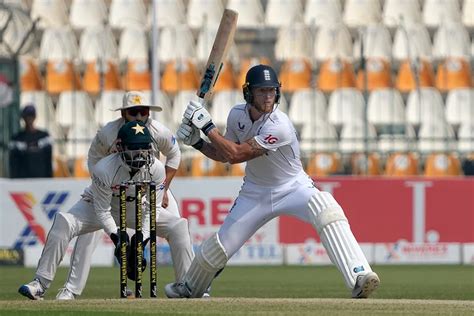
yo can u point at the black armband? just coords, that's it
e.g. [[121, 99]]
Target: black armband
[[199, 144], [208, 127]]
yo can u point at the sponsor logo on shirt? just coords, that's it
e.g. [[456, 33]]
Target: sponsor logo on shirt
[[270, 139]]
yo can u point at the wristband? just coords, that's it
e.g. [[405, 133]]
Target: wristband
[[199, 144], [207, 128]]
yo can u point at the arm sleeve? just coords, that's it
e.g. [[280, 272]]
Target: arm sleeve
[[102, 193], [273, 136]]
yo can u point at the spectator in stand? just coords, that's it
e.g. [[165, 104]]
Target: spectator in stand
[[31, 149]]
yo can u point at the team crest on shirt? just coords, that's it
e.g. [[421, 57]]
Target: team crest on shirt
[[270, 139]]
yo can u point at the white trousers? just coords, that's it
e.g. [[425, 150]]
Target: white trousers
[[256, 205], [81, 221]]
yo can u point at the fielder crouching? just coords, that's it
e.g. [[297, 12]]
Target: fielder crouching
[[99, 206], [274, 184]]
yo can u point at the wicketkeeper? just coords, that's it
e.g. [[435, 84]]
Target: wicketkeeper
[[99, 206]]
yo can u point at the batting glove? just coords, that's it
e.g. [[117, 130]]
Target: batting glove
[[116, 240], [189, 134], [199, 117]]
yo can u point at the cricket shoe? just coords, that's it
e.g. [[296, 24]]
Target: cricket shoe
[[365, 285], [177, 290], [64, 294], [33, 290]]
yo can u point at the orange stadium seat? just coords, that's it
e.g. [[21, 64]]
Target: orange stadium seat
[[453, 73], [61, 76], [92, 77], [324, 164], [378, 75], [335, 74], [295, 74], [237, 170], [179, 75], [60, 168], [365, 165], [402, 164], [80, 168], [137, 75], [405, 81], [204, 167], [30, 78], [441, 164]]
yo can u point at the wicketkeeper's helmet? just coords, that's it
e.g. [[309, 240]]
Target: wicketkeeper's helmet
[[260, 76], [134, 143]]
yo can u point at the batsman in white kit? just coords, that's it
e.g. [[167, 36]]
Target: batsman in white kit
[[134, 107], [99, 206], [274, 184]]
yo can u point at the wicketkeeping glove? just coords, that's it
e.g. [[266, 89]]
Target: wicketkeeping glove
[[115, 237], [199, 116], [131, 259]]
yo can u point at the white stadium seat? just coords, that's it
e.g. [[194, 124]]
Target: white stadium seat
[[165, 116], [411, 40], [361, 12], [466, 137], [204, 12], [133, 44], [345, 106], [357, 137], [176, 42], [97, 43], [280, 13], [451, 40], [423, 106], [87, 13], [205, 41], [377, 43], [222, 103], [467, 15], [435, 12], [105, 106], [293, 41], [74, 109], [126, 13], [396, 10], [436, 136], [180, 102], [251, 13], [320, 136], [385, 108], [58, 44], [168, 13], [51, 13], [460, 106], [322, 12], [332, 41], [397, 138], [306, 107]]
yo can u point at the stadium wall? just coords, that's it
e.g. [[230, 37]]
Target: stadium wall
[[397, 221]]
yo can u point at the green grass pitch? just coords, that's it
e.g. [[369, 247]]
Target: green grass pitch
[[269, 290]]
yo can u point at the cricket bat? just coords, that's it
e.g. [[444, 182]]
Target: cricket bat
[[222, 42]]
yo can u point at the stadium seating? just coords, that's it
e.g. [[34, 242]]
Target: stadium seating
[[87, 13], [356, 137], [168, 13], [180, 102], [423, 105], [467, 16], [166, 116], [251, 14], [332, 41], [295, 74], [460, 107], [396, 10], [45, 113], [442, 164], [402, 164], [451, 40], [385, 108], [281, 13], [178, 76], [202, 13], [319, 136], [222, 103], [414, 74], [453, 73], [359, 13], [324, 164], [74, 109], [50, 13], [176, 43], [435, 12], [105, 104], [30, 77], [133, 52], [319, 13], [411, 40], [399, 138], [436, 136], [336, 74], [378, 75], [345, 106], [466, 138], [306, 107], [202, 166], [293, 42], [126, 13]]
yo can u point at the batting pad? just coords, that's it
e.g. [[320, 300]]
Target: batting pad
[[210, 258], [336, 236]]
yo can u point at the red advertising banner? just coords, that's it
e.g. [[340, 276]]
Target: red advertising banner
[[390, 210]]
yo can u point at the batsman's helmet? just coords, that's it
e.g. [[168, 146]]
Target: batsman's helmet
[[260, 76], [134, 143]]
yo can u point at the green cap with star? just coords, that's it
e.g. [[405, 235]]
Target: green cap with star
[[135, 135]]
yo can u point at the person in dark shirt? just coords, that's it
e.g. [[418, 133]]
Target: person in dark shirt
[[31, 149]]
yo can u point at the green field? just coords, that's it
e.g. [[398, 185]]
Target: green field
[[282, 290]]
